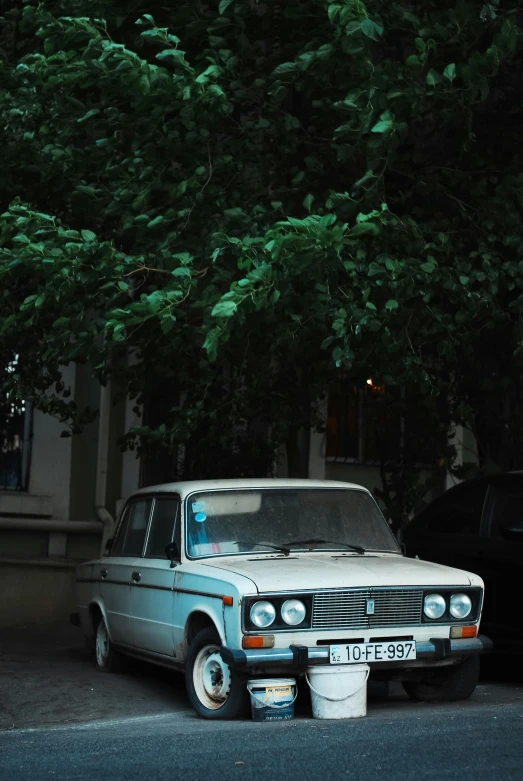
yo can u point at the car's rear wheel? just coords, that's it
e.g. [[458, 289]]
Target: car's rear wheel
[[107, 659], [446, 684], [214, 690]]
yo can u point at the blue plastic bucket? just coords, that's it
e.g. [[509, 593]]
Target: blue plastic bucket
[[272, 699]]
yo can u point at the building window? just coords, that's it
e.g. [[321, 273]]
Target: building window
[[371, 424], [15, 442], [364, 424]]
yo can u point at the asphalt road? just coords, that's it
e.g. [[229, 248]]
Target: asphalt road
[[479, 743]]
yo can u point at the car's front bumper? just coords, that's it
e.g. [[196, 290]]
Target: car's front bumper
[[300, 656]]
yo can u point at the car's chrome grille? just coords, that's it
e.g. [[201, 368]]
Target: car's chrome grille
[[349, 609]]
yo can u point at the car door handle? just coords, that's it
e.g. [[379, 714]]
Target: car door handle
[[103, 573], [136, 576]]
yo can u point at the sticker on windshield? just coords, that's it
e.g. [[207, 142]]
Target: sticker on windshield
[[200, 517], [198, 507]]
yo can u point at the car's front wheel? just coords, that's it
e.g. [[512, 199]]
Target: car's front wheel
[[214, 690], [107, 659], [446, 684]]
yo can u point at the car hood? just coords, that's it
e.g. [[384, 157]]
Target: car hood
[[305, 572]]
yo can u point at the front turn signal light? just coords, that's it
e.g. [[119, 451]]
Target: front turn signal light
[[463, 631], [254, 641]]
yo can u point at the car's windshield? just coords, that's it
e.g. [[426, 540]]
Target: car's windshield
[[267, 520]]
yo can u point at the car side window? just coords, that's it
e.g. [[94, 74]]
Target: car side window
[[459, 512], [116, 547], [131, 534], [504, 508], [165, 526]]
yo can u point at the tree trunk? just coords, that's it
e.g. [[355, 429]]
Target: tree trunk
[[297, 447]]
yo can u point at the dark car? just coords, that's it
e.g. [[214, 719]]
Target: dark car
[[478, 526]]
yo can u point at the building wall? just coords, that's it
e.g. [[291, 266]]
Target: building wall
[[84, 449], [50, 470], [35, 592], [115, 456], [41, 540]]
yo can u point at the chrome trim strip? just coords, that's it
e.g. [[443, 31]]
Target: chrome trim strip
[[148, 528], [150, 585], [147, 585], [423, 587], [200, 593]]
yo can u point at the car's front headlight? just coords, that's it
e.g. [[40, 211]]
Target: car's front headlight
[[263, 614], [460, 605], [434, 606], [293, 611]]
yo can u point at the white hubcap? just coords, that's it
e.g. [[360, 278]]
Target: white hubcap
[[102, 644], [211, 677]]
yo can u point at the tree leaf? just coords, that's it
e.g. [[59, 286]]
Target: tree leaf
[[363, 228], [333, 11], [61, 322], [371, 29], [308, 201], [429, 266], [91, 113], [433, 78], [224, 4], [385, 124], [173, 57], [450, 72], [224, 309]]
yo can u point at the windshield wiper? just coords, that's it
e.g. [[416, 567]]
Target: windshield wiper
[[279, 548], [320, 541]]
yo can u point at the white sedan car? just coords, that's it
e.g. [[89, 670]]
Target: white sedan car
[[233, 579]]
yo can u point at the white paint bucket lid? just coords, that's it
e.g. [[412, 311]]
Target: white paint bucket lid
[[269, 683]]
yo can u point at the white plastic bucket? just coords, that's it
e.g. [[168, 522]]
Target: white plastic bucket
[[272, 699], [338, 691]]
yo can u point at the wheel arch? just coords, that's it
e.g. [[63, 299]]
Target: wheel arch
[[96, 610], [202, 619]]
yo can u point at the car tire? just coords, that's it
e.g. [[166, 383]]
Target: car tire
[[446, 684], [106, 658], [215, 692]]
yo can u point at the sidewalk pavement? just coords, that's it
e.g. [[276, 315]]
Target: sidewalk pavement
[[47, 679]]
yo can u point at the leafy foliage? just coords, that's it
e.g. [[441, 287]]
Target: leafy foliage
[[252, 197]]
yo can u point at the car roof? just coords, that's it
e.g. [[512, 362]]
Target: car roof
[[479, 483], [485, 480], [190, 486]]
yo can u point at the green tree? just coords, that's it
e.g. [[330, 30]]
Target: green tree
[[252, 197]]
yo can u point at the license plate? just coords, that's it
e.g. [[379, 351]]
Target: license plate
[[358, 653]]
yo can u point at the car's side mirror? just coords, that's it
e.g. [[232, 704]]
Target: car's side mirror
[[108, 544], [172, 553], [514, 532]]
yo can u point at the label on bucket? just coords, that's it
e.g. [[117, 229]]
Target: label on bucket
[[277, 691]]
